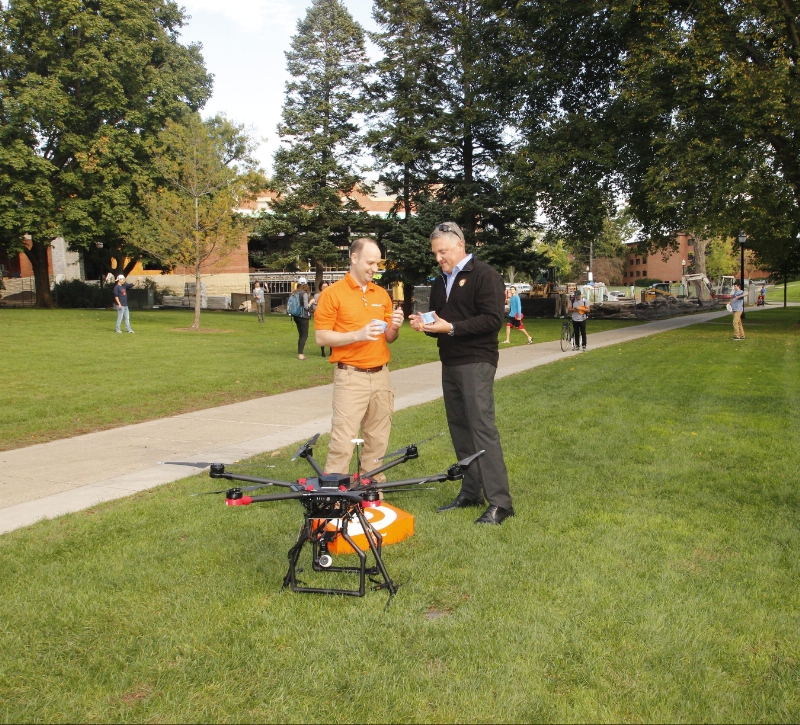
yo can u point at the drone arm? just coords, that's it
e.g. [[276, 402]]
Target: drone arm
[[247, 500], [386, 466], [414, 481], [253, 479], [314, 464]]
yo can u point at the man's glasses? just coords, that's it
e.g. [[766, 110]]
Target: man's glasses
[[449, 229]]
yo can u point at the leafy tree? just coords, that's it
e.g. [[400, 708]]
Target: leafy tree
[[84, 85], [317, 168], [406, 100], [208, 171], [477, 100], [720, 259]]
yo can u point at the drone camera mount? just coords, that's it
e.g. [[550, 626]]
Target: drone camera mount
[[216, 470]]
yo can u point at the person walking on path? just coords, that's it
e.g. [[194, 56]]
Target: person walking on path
[[515, 317], [737, 307], [580, 311], [298, 307], [258, 296], [121, 300], [354, 317], [323, 285], [467, 300]]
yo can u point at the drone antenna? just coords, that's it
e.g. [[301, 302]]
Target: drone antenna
[[358, 442]]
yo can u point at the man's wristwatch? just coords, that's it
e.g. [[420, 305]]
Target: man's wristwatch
[[452, 332]]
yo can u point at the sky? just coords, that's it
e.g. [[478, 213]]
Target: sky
[[243, 45]]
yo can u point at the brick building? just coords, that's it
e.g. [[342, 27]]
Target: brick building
[[656, 266]]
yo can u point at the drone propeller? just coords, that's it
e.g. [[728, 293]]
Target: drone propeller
[[402, 451], [310, 443], [193, 464], [225, 490]]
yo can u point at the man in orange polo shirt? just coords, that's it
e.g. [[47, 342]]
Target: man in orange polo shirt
[[354, 317]]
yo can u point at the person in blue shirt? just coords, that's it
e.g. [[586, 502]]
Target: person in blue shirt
[[515, 317], [121, 302], [737, 305]]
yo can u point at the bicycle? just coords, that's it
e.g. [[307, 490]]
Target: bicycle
[[566, 335]]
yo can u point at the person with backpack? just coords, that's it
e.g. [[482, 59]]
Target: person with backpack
[[298, 308]]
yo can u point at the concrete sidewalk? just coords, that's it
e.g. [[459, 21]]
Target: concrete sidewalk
[[51, 479]]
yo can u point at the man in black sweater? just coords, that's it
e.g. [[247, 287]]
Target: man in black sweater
[[467, 300]]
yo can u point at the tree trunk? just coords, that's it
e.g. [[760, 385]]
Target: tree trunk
[[197, 298], [132, 262], [407, 192], [37, 255], [700, 246], [319, 268], [785, 285]]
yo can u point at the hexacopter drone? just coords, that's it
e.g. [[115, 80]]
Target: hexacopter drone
[[331, 503]]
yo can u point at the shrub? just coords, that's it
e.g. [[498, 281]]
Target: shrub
[[76, 293], [647, 281]]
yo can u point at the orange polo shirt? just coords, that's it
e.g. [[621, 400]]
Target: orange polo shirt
[[345, 307]]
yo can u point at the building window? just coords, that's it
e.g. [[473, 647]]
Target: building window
[[638, 261], [637, 274], [644, 273], [631, 261]]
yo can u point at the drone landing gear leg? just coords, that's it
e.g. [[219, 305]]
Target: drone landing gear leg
[[375, 541], [294, 555]]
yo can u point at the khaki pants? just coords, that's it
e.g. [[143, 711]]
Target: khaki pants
[[360, 401], [738, 329]]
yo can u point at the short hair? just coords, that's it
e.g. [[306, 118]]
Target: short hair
[[447, 228], [358, 245]]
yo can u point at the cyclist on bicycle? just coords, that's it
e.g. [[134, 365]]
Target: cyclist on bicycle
[[580, 311]]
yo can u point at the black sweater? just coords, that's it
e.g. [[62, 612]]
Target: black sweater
[[475, 308]]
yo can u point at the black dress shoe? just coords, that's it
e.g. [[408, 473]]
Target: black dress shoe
[[461, 502], [495, 515]]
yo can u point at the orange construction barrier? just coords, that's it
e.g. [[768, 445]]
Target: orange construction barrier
[[392, 523]]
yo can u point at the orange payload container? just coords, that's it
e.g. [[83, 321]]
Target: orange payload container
[[392, 523]]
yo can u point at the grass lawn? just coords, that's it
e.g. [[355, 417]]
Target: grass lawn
[[650, 573], [67, 372], [775, 294]]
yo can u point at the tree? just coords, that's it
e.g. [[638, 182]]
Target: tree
[[317, 168], [680, 106], [406, 100], [208, 171], [83, 86], [720, 259]]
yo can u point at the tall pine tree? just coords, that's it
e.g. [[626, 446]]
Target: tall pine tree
[[318, 166]]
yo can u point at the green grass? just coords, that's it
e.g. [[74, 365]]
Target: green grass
[[650, 573], [67, 372], [775, 294]]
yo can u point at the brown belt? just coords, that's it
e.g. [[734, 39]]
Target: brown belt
[[342, 366]]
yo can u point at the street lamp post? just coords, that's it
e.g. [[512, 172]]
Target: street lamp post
[[742, 239], [683, 274]]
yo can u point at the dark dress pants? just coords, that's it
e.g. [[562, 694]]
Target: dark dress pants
[[469, 402]]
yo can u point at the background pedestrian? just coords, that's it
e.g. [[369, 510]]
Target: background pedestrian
[[515, 317], [121, 300], [300, 314]]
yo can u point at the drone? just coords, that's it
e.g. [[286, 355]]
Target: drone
[[339, 499]]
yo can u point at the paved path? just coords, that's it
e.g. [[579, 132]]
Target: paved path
[[51, 479]]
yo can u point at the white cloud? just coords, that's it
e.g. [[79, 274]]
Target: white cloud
[[249, 15]]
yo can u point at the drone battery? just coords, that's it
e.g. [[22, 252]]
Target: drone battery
[[393, 524], [335, 480]]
